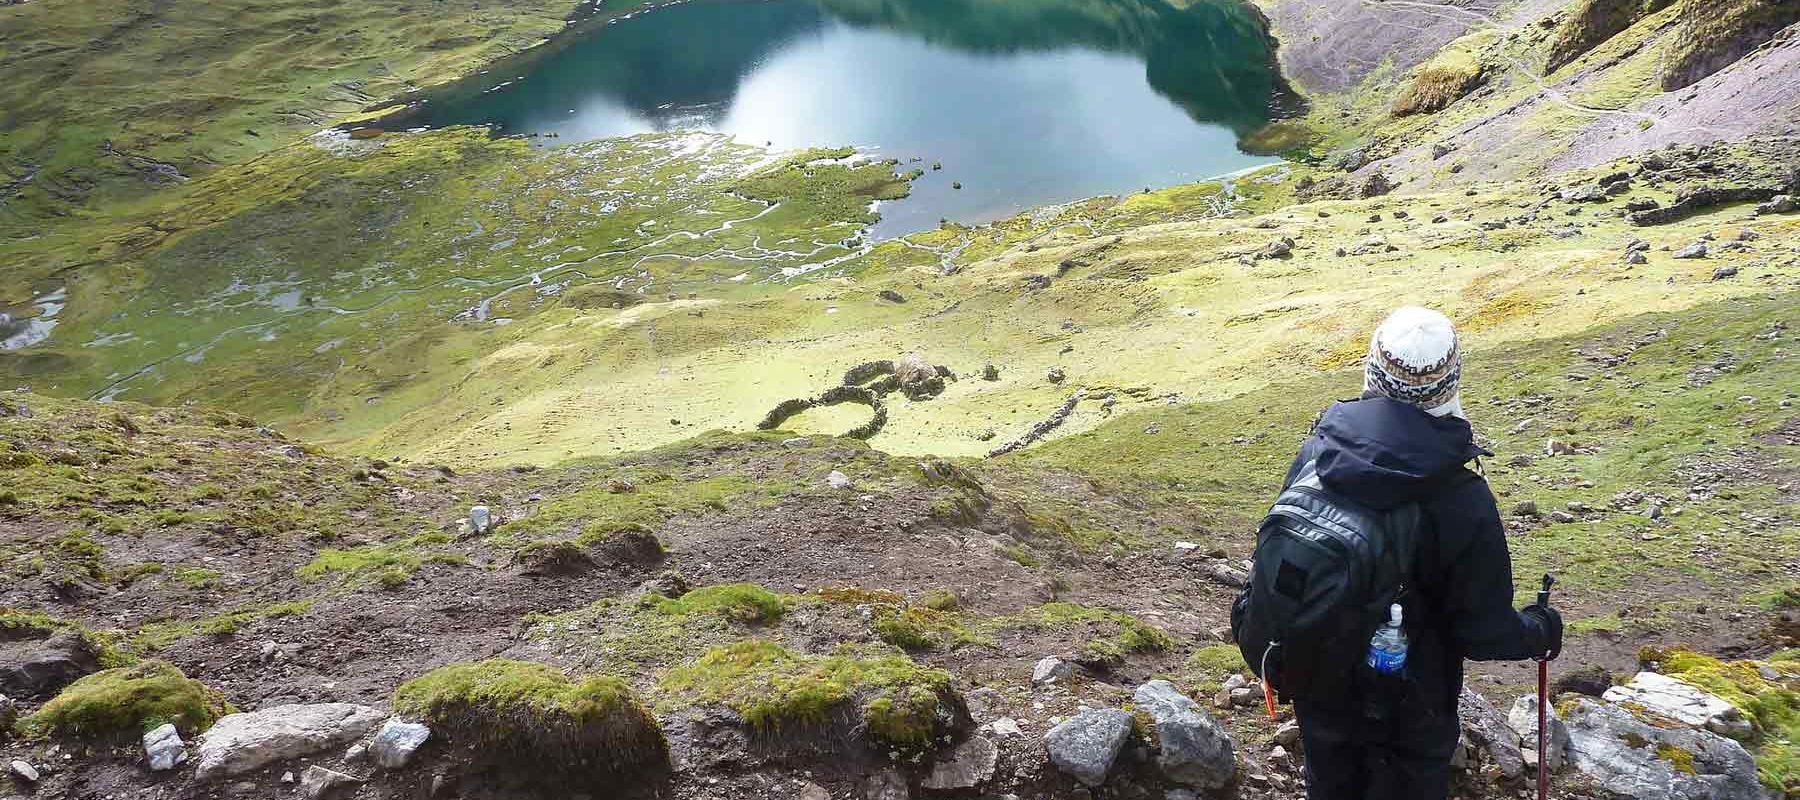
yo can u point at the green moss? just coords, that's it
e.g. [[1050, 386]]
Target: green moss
[[197, 577], [1681, 760], [1112, 635], [741, 602], [127, 701], [769, 686], [919, 628], [1771, 705], [1021, 556], [1216, 662], [158, 635], [942, 600], [528, 716]]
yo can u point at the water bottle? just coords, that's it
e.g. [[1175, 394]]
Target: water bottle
[[1387, 649]]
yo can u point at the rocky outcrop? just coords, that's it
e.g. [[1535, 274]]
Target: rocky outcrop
[[1714, 35], [1648, 759], [240, 743], [1593, 22]]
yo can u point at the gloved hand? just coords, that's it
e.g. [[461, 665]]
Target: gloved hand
[[1549, 625]]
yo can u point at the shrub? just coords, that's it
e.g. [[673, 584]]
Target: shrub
[[127, 701], [532, 718]]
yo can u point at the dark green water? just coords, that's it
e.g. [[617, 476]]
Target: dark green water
[[1024, 103]]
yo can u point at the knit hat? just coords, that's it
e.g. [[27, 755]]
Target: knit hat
[[1414, 358]]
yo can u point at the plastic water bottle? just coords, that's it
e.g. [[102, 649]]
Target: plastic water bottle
[[1387, 649]]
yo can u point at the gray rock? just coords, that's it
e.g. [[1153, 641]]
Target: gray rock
[[481, 520], [1724, 272], [1695, 250], [1562, 517], [795, 442], [1779, 204], [1224, 573], [26, 772], [838, 480], [1085, 746], [967, 766], [1051, 669], [1631, 758], [886, 785], [47, 666], [1526, 508], [317, 781], [1523, 720], [397, 741], [1192, 748], [1055, 375], [919, 379], [1006, 727], [892, 296], [240, 743], [1279, 248], [1636, 257], [812, 791], [1587, 193], [163, 749], [1490, 733], [1288, 734], [989, 372]]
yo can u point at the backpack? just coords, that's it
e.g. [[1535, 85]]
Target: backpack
[[1325, 571]]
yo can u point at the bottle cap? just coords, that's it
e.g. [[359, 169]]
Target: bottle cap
[[1394, 614]]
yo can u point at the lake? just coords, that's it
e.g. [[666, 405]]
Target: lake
[[1022, 103]]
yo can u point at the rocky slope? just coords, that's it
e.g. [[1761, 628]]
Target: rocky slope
[[546, 543]]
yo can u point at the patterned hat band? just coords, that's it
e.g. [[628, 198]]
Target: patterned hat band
[[1424, 395]]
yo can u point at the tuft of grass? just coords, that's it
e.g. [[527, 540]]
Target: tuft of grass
[[197, 577], [903, 704], [919, 628], [1443, 80], [127, 701], [531, 718], [1713, 35]]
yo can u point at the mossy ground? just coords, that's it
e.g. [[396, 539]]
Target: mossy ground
[[546, 722], [126, 701], [772, 687]]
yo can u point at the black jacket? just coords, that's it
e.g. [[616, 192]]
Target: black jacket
[[1384, 454]]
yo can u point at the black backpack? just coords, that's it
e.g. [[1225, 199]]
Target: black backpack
[[1325, 571]]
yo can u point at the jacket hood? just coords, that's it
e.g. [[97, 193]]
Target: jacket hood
[[1385, 453]]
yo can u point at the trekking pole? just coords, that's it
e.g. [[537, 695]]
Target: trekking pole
[[1543, 703]]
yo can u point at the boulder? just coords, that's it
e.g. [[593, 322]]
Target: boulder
[[1588, 193], [1523, 719], [240, 743], [1724, 272], [1051, 669], [1633, 758], [41, 669], [1279, 248], [481, 520], [1695, 250], [1490, 733], [1085, 746], [1672, 698], [163, 748], [317, 782], [1192, 748], [967, 766], [919, 379], [397, 741], [1780, 204], [838, 480]]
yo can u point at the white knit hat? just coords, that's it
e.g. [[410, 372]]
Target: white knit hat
[[1414, 358]]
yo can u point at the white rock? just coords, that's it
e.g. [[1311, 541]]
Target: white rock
[[1051, 669], [240, 743], [318, 781], [1288, 734], [397, 741], [481, 519], [163, 748], [838, 480], [1006, 726], [1522, 718], [1669, 697], [25, 771], [287, 777], [1631, 758]]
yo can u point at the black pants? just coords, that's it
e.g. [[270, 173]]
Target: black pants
[[1400, 755]]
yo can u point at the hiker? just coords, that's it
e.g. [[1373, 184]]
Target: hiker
[[1397, 466]]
